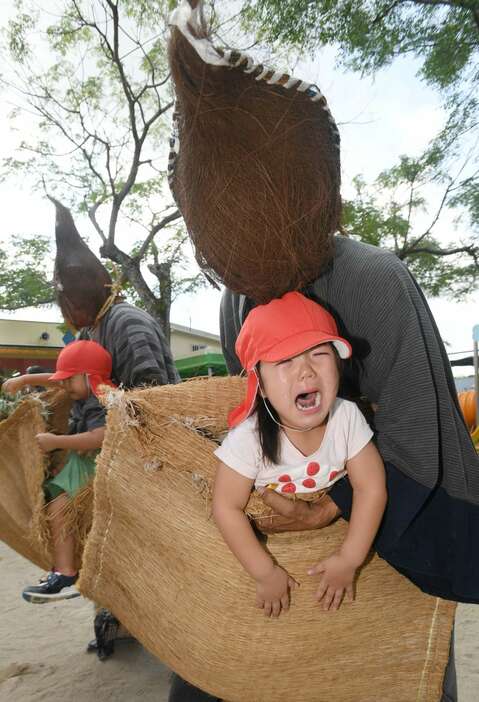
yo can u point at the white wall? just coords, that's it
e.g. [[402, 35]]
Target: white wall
[[15, 332]]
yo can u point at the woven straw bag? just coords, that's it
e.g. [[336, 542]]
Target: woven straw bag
[[23, 466], [155, 558]]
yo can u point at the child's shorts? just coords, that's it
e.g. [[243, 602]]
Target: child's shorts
[[75, 474]]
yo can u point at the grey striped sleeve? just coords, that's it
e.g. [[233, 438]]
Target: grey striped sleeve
[[140, 352], [233, 311]]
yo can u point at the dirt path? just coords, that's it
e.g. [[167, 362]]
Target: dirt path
[[42, 651]]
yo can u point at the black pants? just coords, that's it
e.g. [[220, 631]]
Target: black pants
[[449, 687], [181, 691]]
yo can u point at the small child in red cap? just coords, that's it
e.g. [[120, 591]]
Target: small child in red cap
[[294, 435], [81, 368]]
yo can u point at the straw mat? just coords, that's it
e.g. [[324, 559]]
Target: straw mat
[[23, 466], [156, 559]]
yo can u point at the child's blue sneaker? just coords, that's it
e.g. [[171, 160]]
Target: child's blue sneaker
[[52, 588]]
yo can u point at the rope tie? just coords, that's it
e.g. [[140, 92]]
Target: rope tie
[[114, 297]]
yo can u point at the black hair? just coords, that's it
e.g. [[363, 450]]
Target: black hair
[[268, 429]]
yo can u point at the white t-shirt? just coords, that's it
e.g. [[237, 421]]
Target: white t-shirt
[[347, 432]]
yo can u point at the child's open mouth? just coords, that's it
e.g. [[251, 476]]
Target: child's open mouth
[[308, 400]]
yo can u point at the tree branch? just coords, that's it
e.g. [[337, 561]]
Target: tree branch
[[92, 216], [451, 186], [154, 231], [73, 106], [469, 6], [471, 250], [131, 270], [387, 10]]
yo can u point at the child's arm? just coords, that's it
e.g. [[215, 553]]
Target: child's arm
[[230, 496], [367, 478], [14, 385], [86, 441]]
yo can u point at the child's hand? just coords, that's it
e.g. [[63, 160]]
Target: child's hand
[[337, 576], [13, 385], [47, 441], [272, 591]]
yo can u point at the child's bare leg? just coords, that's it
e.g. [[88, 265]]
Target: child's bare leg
[[60, 584], [63, 544]]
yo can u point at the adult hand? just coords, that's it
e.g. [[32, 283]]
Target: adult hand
[[296, 515]]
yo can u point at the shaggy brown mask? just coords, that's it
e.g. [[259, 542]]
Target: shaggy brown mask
[[82, 283], [256, 173]]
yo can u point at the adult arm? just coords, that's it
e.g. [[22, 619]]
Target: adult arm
[[289, 515], [140, 352]]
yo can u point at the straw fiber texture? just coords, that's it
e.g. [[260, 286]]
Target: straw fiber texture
[[254, 169], [23, 467], [75, 263], [155, 558]]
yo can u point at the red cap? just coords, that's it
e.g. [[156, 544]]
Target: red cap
[[84, 357], [283, 328]]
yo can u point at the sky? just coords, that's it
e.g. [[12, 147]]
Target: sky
[[379, 119]]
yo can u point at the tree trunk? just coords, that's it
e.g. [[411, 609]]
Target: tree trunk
[[159, 308], [162, 271]]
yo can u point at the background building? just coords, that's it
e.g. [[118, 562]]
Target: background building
[[36, 343]]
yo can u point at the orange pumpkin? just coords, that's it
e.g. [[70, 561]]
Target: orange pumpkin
[[467, 401]]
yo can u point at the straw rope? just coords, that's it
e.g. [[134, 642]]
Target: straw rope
[[116, 288], [431, 646]]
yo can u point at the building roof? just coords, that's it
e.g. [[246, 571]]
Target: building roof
[[196, 332], [205, 364]]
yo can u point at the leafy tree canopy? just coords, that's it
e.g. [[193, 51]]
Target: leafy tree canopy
[[24, 273], [396, 212], [94, 102], [443, 37], [442, 34]]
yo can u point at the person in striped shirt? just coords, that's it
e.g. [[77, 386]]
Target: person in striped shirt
[[135, 340]]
